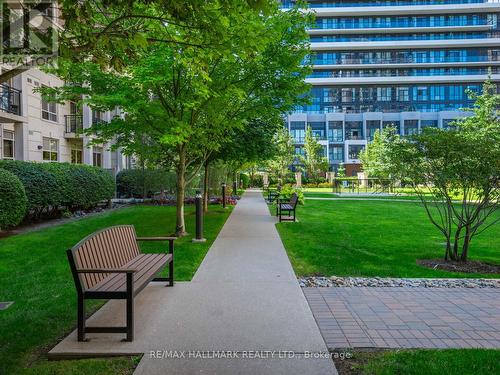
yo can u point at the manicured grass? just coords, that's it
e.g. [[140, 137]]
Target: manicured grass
[[363, 196], [429, 362], [368, 238], [34, 273]]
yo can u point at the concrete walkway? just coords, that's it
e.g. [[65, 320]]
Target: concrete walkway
[[244, 301], [405, 317]]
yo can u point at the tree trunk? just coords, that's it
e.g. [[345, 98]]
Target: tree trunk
[[143, 167], [180, 228], [465, 247], [454, 253], [205, 188]]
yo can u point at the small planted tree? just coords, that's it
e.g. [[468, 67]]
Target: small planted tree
[[313, 161], [455, 173], [284, 154], [374, 157]]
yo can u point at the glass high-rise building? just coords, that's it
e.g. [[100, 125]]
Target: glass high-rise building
[[399, 63]]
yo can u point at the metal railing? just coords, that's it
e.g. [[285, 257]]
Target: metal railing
[[10, 99], [74, 123], [368, 185]]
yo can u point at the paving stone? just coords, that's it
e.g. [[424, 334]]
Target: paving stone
[[414, 317]]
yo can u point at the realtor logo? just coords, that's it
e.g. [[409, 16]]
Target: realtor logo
[[28, 32]]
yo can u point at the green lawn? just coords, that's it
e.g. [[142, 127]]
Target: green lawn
[[368, 238], [34, 273], [363, 196], [425, 362]]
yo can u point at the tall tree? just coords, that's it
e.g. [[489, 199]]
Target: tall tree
[[185, 101], [108, 32]]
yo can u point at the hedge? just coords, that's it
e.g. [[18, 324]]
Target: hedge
[[12, 200], [140, 183], [51, 186]]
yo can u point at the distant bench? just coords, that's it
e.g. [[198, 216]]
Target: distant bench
[[287, 207], [109, 265]]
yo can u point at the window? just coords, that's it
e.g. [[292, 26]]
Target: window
[[403, 94], [336, 153], [428, 124], [8, 144], [97, 117], [317, 129], [335, 131], [97, 156], [384, 94], [371, 127], [354, 151], [411, 127], [76, 156], [49, 110], [353, 129], [421, 93], [49, 149]]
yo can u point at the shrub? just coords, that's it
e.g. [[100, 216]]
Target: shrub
[[12, 200], [81, 186], [51, 186], [143, 182], [40, 185], [288, 190], [257, 181], [245, 180]]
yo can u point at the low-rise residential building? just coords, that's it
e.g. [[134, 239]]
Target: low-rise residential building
[[32, 129]]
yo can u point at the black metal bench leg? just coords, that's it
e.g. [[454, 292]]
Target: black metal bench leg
[[171, 273], [81, 318], [130, 308]]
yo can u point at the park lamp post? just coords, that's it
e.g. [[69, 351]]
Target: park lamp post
[[224, 195], [199, 218]]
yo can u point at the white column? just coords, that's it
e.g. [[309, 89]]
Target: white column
[[106, 156], [21, 133], [87, 151]]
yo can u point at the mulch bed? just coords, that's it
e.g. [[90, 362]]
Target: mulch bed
[[471, 266]]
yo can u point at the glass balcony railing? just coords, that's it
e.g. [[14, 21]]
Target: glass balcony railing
[[407, 60], [74, 123], [344, 4], [357, 24], [10, 100], [403, 72], [399, 37]]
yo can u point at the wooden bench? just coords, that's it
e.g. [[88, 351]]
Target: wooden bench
[[287, 207], [108, 265]]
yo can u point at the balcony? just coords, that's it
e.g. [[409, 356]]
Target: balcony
[[74, 126], [289, 4], [10, 100]]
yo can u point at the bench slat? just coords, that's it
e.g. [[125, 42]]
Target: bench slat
[[112, 282], [146, 264], [110, 248]]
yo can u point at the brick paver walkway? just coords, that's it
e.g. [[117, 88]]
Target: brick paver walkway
[[407, 317]]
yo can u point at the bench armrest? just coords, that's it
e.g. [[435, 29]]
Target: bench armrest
[[169, 239], [103, 270], [156, 238]]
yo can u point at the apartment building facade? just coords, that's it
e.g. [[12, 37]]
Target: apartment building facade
[[32, 129], [400, 63]]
